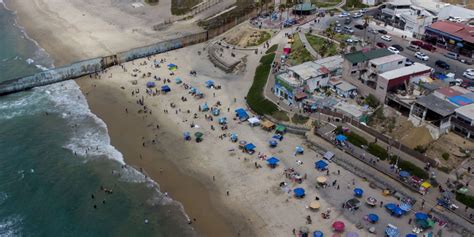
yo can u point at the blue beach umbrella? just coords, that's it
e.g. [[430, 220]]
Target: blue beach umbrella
[[341, 138], [299, 149], [249, 147], [397, 211], [299, 192], [373, 217], [178, 80], [391, 206], [358, 192], [273, 143], [318, 234], [273, 161], [150, 84], [165, 88], [320, 164], [233, 137], [405, 207], [421, 216], [404, 174]]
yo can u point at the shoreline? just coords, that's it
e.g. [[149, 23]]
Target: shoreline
[[190, 190]]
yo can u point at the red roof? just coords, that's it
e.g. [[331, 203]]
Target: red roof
[[324, 70], [456, 29], [448, 92]]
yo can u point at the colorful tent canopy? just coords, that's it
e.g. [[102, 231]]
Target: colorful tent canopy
[[358, 192], [273, 143], [254, 121], [198, 134], [178, 80], [280, 128], [404, 174], [338, 226], [150, 84], [405, 206], [267, 124], [421, 216], [234, 136], [186, 135], [299, 192], [373, 217], [320, 164], [426, 185], [249, 147], [165, 88], [209, 83], [390, 206], [299, 149], [278, 137], [242, 114], [398, 211], [392, 231], [318, 234], [204, 107], [273, 161], [341, 138]]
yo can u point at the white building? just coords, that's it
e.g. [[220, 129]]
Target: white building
[[372, 2], [455, 12], [380, 65]]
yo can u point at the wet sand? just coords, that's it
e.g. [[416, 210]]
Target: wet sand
[[191, 189]]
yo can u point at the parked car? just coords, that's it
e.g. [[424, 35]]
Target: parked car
[[372, 31], [417, 43], [408, 62], [469, 75], [348, 29], [386, 37], [428, 47], [422, 56], [413, 47], [338, 30], [359, 26], [382, 31], [381, 45], [452, 55], [397, 46], [343, 14], [442, 64], [357, 15], [347, 21], [393, 50]]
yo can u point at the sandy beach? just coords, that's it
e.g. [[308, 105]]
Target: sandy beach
[[224, 191]]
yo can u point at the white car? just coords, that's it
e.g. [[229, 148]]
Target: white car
[[469, 75], [393, 50], [470, 70], [343, 14], [386, 37], [422, 56]]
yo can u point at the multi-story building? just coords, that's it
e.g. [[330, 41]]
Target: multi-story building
[[463, 121], [380, 65]]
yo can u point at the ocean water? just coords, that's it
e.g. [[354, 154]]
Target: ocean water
[[55, 154]]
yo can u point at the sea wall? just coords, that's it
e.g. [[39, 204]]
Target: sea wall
[[91, 66]]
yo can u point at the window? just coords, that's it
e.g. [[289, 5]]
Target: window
[[381, 88], [353, 72], [354, 64], [400, 62]]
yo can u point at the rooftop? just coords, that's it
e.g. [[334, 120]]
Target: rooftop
[[361, 56], [308, 70], [400, 2], [458, 30], [467, 111], [448, 92], [331, 63], [455, 11], [345, 86], [387, 59], [437, 105], [405, 71]]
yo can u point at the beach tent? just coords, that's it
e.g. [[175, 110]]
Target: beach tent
[[209, 84], [178, 80], [273, 161], [279, 137], [328, 155], [172, 67], [165, 88], [404, 174], [193, 90], [299, 192], [341, 138], [280, 129], [338, 226], [397, 212], [373, 218], [150, 84], [425, 224], [321, 179], [314, 205], [320, 165], [222, 120], [267, 125], [198, 136], [421, 216], [187, 136], [250, 147], [273, 143], [234, 137], [318, 234], [204, 107], [299, 150], [358, 192], [241, 114], [254, 121], [216, 111]]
